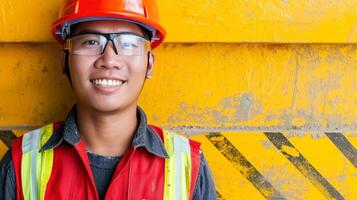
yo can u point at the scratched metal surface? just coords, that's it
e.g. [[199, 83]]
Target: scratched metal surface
[[282, 165], [280, 21], [203, 87], [258, 83]]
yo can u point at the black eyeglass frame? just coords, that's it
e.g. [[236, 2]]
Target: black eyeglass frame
[[109, 37]]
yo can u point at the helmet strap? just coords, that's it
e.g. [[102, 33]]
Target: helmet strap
[[147, 66], [65, 66]]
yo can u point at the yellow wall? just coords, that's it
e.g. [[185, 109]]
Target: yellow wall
[[283, 21], [229, 73]]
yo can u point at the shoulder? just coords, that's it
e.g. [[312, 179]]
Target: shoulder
[[205, 187], [6, 162], [41, 132], [7, 177], [161, 131]]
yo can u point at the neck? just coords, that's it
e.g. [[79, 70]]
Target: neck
[[107, 134]]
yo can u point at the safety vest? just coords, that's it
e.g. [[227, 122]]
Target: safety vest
[[64, 172]]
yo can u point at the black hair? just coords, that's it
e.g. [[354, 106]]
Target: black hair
[[146, 33]]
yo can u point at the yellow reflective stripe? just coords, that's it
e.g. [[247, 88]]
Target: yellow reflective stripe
[[30, 143], [169, 190], [182, 166], [186, 179], [177, 167], [36, 166], [46, 160]]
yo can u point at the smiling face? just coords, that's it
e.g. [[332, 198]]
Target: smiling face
[[109, 82]]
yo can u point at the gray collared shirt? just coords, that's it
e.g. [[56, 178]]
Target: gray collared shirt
[[103, 167]]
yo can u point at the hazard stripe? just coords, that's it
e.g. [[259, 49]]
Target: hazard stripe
[[303, 165], [219, 196], [344, 146], [244, 166], [7, 137]]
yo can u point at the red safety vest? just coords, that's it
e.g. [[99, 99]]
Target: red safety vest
[[64, 172]]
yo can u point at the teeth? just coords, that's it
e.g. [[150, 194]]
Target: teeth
[[107, 83]]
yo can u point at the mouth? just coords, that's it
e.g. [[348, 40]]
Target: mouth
[[107, 86], [107, 83]]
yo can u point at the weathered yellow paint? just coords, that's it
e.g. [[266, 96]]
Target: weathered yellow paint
[[328, 160], [273, 165], [228, 181], [276, 21], [3, 149], [205, 82], [352, 137], [320, 81], [30, 61], [205, 86], [278, 170], [20, 132]]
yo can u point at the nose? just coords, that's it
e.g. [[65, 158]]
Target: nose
[[109, 58]]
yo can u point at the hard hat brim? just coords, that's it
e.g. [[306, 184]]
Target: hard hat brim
[[158, 31]]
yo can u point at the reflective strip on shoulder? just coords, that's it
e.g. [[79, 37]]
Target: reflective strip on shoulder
[[36, 166], [177, 167]]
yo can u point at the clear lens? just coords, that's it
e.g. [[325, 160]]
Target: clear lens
[[94, 44], [87, 44], [131, 45]]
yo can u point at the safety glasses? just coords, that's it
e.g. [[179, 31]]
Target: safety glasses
[[92, 44]]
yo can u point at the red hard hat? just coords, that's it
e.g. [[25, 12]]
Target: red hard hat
[[141, 12]]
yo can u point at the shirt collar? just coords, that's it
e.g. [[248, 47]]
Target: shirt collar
[[144, 136]]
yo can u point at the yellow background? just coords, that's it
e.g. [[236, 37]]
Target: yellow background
[[240, 67]]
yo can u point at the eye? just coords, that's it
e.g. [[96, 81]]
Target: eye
[[91, 43], [128, 45]]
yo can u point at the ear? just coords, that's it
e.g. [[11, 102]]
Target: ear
[[65, 65], [64, 57], [150, 67]]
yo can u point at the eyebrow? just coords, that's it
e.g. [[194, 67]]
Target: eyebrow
[[84, 31], [87, 31]]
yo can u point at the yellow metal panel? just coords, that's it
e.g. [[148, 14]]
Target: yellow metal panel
[[204, 86], [3, 149], [321, 85], [307, 166], [352, 138], [228, 181], [262, 86], [33, 78], [274, 166], [279, 21], [329, 161], [207, 87], [290, 21]]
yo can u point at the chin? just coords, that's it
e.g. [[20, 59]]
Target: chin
[[106, 108], [109, 107], [106, 105]]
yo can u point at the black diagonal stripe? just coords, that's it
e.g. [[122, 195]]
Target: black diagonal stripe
[[303, 165], [244, 166], [7, 137], [344, 146], [219, 196]]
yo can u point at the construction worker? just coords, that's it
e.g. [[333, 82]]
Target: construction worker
[[105, 149]]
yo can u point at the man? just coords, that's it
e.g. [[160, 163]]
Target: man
[[105, 149]]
